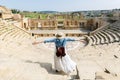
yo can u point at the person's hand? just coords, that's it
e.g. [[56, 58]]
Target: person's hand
[[81, 40], [34, 43], [77, 40]]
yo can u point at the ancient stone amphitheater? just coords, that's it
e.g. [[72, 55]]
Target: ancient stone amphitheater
[[20, 60]]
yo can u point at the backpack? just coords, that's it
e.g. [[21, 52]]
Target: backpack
[[60, 51]]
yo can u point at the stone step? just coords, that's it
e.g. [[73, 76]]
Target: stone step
[[115, 32], [87, 69], [6, 33], [116, 38], [98, 39], [111, 39], [102, 40], [104, 36]]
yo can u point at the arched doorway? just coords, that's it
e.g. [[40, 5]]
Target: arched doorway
[[0, 15], [25, 26], [97, 25]]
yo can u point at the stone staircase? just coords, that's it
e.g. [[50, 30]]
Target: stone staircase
[[106, 35]]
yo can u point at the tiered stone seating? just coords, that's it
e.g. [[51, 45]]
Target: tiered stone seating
[[101, 38], [12, 33], [115, 29], [111, 39], [92, 39], [116, 33], [7, 32], [106, 35]]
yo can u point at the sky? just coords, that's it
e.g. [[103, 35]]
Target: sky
[[60, 5]]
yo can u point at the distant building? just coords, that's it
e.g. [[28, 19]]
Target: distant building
[[5, 13], [64, 21]]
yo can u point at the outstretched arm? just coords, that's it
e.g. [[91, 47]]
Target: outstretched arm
[[34, 43], [81, 40], [70, 39], [45, 41], [49, 40]]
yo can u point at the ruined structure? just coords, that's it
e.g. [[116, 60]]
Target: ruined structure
[[71, 21], [5, 13]]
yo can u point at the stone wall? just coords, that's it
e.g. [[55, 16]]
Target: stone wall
[[52, 24]]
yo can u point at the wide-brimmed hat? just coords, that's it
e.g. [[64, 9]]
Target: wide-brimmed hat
[[59, 35]]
